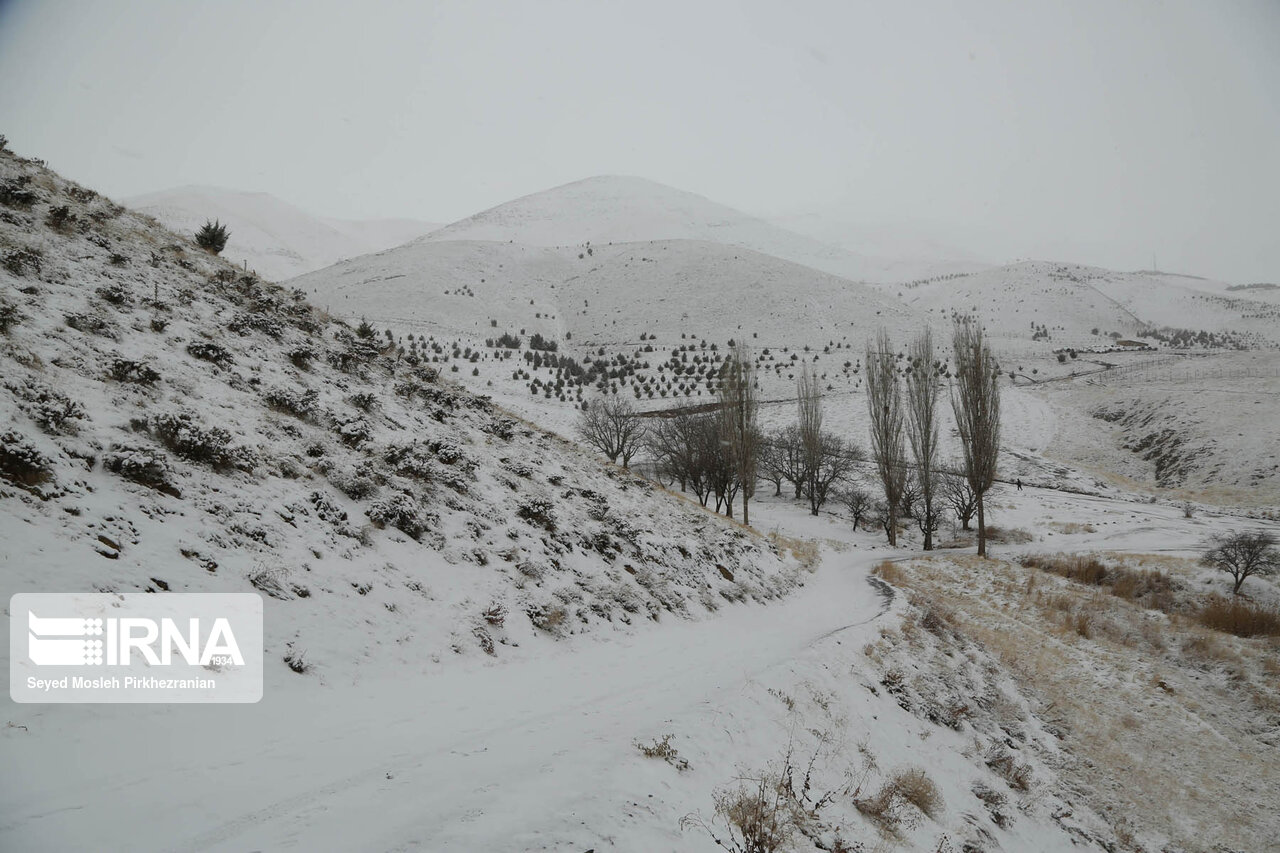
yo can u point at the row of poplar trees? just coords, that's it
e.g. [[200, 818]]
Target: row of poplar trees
[[903, 406]]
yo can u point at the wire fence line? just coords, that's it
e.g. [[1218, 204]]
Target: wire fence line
[[1183, 373]]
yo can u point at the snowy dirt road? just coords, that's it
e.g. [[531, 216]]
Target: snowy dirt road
[[479, 757]]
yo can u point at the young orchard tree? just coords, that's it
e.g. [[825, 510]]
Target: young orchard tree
[[859, 503], [787, 455], [959, 496], [922, 430], [770, 463], [884, 404], [975, 399], [212, 236], [1243, 555], [739, 434], [679, 445], [832, 464], [612, 426]]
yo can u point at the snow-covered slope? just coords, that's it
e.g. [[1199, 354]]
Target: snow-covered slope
[[613, 295], [620, 209], [224, 435], [274, 238], [1077, 306]]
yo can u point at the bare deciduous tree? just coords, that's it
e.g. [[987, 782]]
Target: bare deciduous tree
[[859, 503], [959, 496], [922, 430], [884, 404], [1243, 555], [738, 430], [678, 445], [825, 458], [612, 426], [832, 464], [975, 399], [782, 458]]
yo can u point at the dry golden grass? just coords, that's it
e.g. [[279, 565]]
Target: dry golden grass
[[806, 551], [1163, 715], [888, 572], [1008, 535], [1071, 527], [1240, 617]]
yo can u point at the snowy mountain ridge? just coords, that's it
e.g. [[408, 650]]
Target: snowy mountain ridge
[[272, 237]]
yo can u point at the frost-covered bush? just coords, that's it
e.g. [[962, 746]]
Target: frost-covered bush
[[9, 316], [143, 465], [23, 261], [53, 411], [547, 617], [413, 461], [182, 434], [134, 372], [500, 427], [538, 511], [364, 401], [60, 218], [299, 403], [302, 356], [246, 321], [21, 462], [519, 468], [354, 431], [90, 324], [211, 352], [451, 453], [357, 485], [115, 293], [14, 192], [400, 511], [597, 505]]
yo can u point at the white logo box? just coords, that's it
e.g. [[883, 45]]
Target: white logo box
[[135, 647]]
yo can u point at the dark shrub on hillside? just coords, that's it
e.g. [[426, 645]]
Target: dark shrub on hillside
[[538, 511], [23, 261], [133, 372], [212, 236], [115, 293], [210, 352], [302, 356], [508, 341], [300, 404], [538, 342], [21, 462], [400, 511], [91, 324], [9, 316], [14, 192], [212, 446], [53, 411], [142, 465], [60, 218]]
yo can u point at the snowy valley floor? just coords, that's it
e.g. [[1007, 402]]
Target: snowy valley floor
[[542, 754]]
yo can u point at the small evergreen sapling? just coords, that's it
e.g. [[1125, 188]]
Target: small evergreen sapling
[[212, 236]]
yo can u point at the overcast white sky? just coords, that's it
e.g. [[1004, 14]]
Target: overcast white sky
[[1092, 131]]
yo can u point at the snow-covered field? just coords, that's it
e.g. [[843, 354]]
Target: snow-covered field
[[478, 637]]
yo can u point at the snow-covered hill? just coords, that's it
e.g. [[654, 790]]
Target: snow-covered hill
[[613, 295], [477, 637], [620, 209], [1078, 306], [169, 422], [270, 236]]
